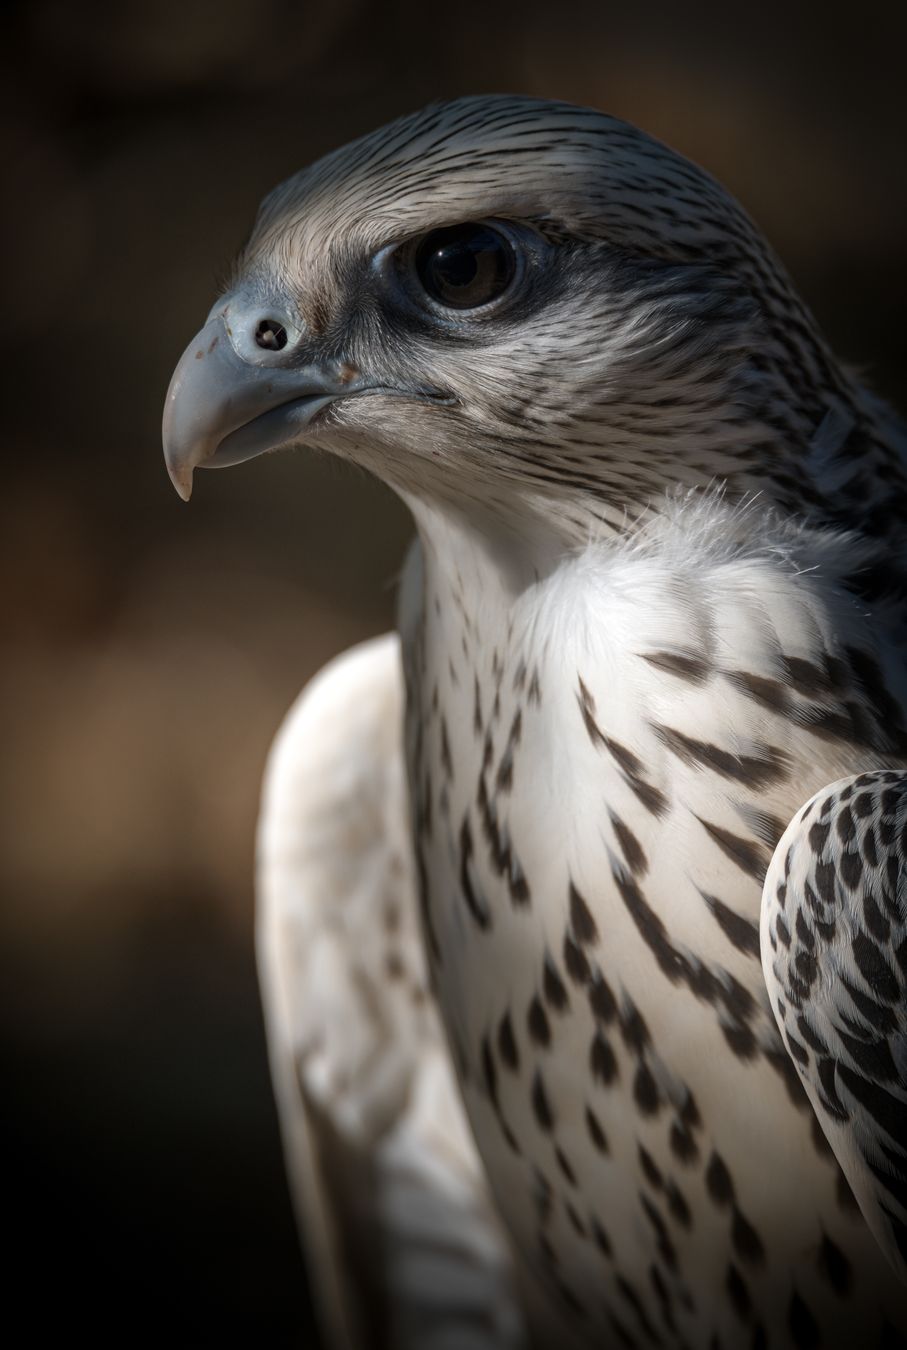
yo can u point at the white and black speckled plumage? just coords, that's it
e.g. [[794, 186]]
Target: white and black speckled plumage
[[834, 922], [658, 603]]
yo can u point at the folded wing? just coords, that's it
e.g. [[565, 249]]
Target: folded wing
[[834, 953]]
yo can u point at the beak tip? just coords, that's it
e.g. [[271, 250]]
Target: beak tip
[[181, 479]]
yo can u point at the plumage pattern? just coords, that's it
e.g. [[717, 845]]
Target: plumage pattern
[[835, 951], [671, 689], [658, 602]]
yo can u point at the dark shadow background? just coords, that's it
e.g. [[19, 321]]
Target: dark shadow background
[[150, 649]]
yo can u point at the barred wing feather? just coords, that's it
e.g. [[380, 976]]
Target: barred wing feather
[[834, 951]]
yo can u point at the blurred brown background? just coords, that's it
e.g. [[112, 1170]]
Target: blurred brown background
[[150, 649]]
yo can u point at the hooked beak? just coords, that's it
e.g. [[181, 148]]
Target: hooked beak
[[242, 387], [246, 384]]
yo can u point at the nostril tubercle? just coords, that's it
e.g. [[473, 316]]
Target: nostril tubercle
[[271, 335]]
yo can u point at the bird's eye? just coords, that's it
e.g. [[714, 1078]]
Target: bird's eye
[[465, 266]]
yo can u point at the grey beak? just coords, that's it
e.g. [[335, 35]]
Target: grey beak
[[241, 388]]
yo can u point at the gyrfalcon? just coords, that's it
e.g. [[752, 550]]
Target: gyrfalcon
[[609, 846]]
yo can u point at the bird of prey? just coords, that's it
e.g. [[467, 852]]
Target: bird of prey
[[583, 901]]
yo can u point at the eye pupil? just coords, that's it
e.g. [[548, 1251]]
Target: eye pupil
[[455, 266], [465, 266]]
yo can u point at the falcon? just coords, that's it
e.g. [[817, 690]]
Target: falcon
[[583, 900]]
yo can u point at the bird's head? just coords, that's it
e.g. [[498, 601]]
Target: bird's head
[[505, 299]]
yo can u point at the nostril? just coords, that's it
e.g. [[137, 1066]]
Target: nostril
[[271, 335]]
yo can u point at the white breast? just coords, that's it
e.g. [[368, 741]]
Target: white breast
[[599, 776]]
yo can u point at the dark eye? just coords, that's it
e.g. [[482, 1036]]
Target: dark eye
[[465, 266]]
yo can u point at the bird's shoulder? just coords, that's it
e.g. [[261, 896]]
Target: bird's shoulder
[[338, 748]]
